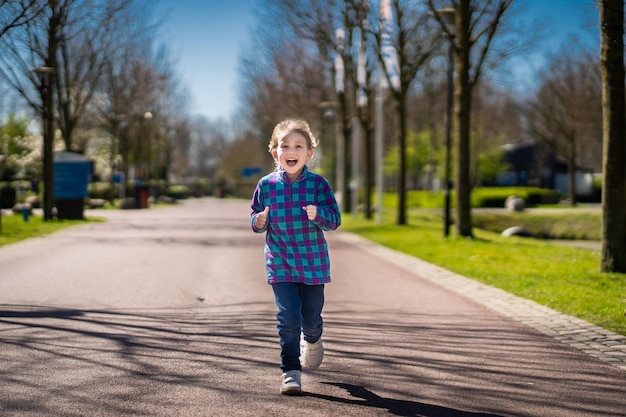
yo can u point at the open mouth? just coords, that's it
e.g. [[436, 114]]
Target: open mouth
[[291, 162]]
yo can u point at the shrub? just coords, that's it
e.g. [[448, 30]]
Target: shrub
[[177, 191], [100, 189], [481, 197], [496, 196]]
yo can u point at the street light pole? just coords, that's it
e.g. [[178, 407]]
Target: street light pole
[[329, 138], [2, 162], [448, 19], [449, 104], [45, 75], [147, 164]]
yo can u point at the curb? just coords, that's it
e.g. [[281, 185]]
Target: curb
[[595, 341]]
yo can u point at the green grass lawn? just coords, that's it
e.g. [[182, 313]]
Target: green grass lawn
[[15, 229], [560, 277], [576, 224]]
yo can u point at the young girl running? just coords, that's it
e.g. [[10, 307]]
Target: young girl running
[[294, 206]]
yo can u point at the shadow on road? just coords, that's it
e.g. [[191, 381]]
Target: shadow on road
[[64, 361], [363, 397], [129, 361]]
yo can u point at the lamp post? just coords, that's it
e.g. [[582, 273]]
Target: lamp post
[[2, 162], [45, 75], [328, 136], [448, 18], [343, 143], [147, 164]]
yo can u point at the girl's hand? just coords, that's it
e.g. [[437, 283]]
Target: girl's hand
[[261, 218], [311, 211]]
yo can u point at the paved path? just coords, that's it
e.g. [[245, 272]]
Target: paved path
[[165, 312], [594, 340]]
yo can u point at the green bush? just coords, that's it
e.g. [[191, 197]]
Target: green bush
[[177, 191], [202, 188], [99, 189], [496, 196], [480, 197]]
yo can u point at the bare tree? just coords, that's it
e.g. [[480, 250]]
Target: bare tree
[[289, 90], [134, 107], [31, 46], [174, 150], [35, 44], [16, 13], [287, 72], [84, 50], [497, 112], [614, 130], [478, 23], [209, 140], [565, 111], [366, 65], [312, 86], [496, 121], [75, 38], [414, 39], [177, 160], [340, 30]]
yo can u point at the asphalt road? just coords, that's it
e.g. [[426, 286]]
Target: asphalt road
[[166, 312]]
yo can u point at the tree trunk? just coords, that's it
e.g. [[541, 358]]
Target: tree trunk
[[401, 190], [571, 176], [54, 30], [462, 108], [346, 133], [368, 129], [340, 125], [614, 150]]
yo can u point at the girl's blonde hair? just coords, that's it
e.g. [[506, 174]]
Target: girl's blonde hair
[[288, 126]]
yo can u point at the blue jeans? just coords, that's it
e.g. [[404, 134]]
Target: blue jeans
[[299, 311]]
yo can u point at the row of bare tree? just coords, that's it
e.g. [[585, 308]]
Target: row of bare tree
[[108, 78], [322, 60], [303, 66], [316, 52]]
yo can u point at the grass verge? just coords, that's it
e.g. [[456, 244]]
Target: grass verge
[[15, 229], [563, 278], [575, 225]]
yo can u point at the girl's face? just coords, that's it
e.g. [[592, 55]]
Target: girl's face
[[292, 153]]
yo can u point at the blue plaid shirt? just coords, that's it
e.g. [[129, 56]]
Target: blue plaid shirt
[[295, 247]]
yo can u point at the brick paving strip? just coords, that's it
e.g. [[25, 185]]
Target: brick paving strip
[[594, 340]]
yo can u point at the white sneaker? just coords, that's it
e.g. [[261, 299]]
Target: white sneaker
[[313, 354], [291, 383]]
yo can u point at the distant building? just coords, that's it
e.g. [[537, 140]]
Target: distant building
[[536, 165]]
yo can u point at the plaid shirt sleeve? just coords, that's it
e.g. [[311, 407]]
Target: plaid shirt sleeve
[[295, 247], [328, 216], [258, 205]]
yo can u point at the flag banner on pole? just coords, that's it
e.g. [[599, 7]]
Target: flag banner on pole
[[339, 68], [388, 50], [361, 77]]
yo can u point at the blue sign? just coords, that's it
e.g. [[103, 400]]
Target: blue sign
[[71, 176], [250, 171], [118, 177]]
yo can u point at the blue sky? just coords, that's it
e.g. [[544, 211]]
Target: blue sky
[[207, 37]]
